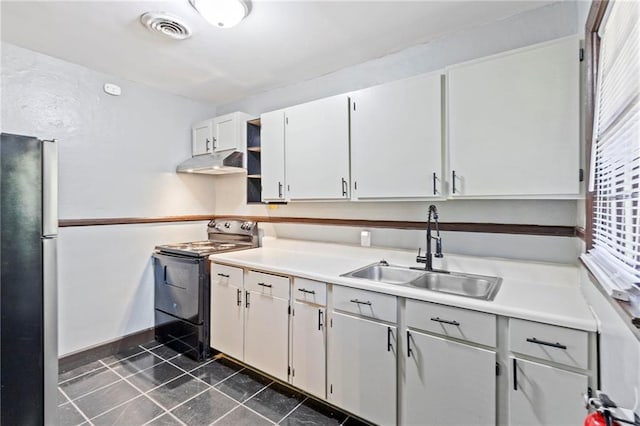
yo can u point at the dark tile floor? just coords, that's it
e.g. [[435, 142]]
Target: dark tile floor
[[152, 384]]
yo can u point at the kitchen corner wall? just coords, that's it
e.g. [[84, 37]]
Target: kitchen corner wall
[[117, 158], [554, 21]]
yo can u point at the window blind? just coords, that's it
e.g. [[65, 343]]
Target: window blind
[[615, 177]]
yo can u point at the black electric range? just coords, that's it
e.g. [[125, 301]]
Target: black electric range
[[182, 285]]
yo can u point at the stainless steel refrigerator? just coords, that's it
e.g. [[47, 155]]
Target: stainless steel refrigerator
[[28, 281]]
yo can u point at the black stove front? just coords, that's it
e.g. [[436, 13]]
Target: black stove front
[[181, 299]]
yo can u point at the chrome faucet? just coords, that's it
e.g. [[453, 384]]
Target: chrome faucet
[[427, 259]]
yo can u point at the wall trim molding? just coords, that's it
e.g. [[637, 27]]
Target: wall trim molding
[[490, 228], [84, 356], [65, 223]]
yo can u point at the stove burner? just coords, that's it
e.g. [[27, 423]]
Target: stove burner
[[201, 248]]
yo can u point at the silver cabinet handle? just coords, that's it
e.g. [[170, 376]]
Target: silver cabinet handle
[[360, 302], [223, 275], [279, 189], [239, 297], [208, 143], [389, 332], [265, 285], [515, 375], [304, 290], [438, 319], [409, 351], [435, 185], [320, 319], [344, 187], [246, 299]]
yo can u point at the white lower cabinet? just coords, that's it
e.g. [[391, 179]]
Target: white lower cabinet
[[250, 318], [448, 383], [361, 368], [545, 395], [266, 333], [227, 310], [308, 355], [447, 366]]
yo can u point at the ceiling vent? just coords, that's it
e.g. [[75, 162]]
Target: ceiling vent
[[165, 24]]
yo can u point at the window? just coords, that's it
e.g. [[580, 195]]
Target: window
[[615, 156]]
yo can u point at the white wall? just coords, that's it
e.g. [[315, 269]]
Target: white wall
[[117, 154], [117, 158], [554, 21], [106, 279], [619, 349], [547, 23]]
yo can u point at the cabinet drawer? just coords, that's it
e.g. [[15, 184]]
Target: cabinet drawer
[[226, 275], [473, 326], [366, 303], [310, 291], [549, 342], [272, 285]]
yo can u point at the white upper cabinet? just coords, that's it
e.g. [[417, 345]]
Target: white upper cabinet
[[317, 149], [202, 138], [396, 139], [514, 123], [272, 155], [222, 133]]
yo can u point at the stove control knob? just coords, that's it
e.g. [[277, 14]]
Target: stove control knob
[[227, 225]]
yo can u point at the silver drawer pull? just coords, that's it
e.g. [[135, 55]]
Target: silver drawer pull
[[304, 290], [438, 319], [265, 285], [360, 302], [223, 275], [542, 342]]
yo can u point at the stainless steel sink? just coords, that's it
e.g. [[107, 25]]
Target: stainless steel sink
[[476, 286], [385, 273], [468, 285]]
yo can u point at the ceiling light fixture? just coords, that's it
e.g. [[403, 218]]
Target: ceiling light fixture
[[222, 13]]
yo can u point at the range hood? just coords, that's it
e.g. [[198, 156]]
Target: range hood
[[218, 163]]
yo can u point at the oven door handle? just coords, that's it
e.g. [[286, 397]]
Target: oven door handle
[[166, 282]]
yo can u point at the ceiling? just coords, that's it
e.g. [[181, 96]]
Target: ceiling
[[279, 43]]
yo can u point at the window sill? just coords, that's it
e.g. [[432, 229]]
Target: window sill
[[628, 311]]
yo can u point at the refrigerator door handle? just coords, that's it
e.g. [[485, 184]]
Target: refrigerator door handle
[[50, 328], [49, 187]]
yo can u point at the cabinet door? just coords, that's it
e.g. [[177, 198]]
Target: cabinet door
[[227, 321], [396, 139], [449, 383], [362, 368], [514, 123], [317, 149], [272, 155], [309, 349], [544, 395], [266, 334], [225, 130], [202, 138]]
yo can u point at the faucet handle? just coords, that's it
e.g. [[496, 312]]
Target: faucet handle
[[419, 258]]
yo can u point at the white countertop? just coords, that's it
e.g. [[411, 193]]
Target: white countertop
[[534, 291]]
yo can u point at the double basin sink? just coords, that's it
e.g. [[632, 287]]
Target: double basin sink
[[476, 286]]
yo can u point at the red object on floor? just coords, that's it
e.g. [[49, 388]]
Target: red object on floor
[[597, 419]]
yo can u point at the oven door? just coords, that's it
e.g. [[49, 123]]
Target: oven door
[[179, 286]]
